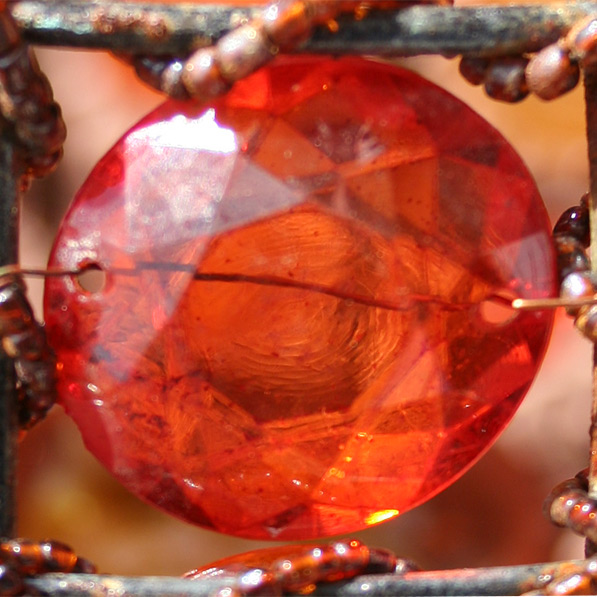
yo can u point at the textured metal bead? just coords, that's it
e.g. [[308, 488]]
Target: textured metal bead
[[571, 256], [551, 73], [287, 23], [505, 80], [575, 222], [201, 75], [474, 69]]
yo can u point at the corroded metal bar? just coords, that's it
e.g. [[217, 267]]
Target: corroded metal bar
[[590, 83], [507, 580], [130, 27], [176, 29], [10, 171]]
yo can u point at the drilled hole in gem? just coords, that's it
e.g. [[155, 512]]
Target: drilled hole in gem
[[91, 279], [497, 309]]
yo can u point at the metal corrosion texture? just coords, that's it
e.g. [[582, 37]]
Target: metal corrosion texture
[[10, 172], [177, 29], [590, 83], [509, 580]]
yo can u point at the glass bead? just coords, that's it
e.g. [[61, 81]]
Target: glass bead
[[305, 326]]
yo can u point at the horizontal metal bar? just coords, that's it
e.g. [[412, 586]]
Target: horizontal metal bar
[[506, 580], [132, 27], [176, 29], [450, 31]]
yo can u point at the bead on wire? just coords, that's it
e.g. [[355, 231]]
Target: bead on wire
[[302, 568], [21, 558], [555, 69], [578, 285], [23, 340], [569, 506], [282, 26], [26, 102], [549, 73]]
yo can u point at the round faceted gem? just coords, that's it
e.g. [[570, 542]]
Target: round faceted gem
[[304, 327]]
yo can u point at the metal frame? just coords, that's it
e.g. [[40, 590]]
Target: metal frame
[[176, 29]]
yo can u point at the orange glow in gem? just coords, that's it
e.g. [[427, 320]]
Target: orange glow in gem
[[299, 336], [382, 515]]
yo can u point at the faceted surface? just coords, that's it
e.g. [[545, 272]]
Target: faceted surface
[[303, 328]]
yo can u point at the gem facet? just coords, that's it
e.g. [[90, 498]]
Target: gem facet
[[304, 328]]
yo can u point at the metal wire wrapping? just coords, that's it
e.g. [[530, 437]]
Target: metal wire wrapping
[[173, 29]]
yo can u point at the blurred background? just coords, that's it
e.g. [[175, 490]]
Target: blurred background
[[491, 516]]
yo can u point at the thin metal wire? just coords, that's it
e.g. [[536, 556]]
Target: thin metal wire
[[553, 303], [521, 304], [406, 302]]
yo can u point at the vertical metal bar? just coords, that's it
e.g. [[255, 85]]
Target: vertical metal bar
[[9, 216], [590, 83]]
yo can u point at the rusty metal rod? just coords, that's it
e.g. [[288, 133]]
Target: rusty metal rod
[[176, 29], [590, 84], [505, 580], [10, 171]]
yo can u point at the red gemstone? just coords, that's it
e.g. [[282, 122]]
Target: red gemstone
[[303, 329]]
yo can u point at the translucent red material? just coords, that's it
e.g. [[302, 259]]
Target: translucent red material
[[305, 326]]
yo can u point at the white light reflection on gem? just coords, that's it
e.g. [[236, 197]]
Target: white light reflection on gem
[[253, 577], [527, 253], [177, 171], [193, 485], [187, 133], [185, 179]]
